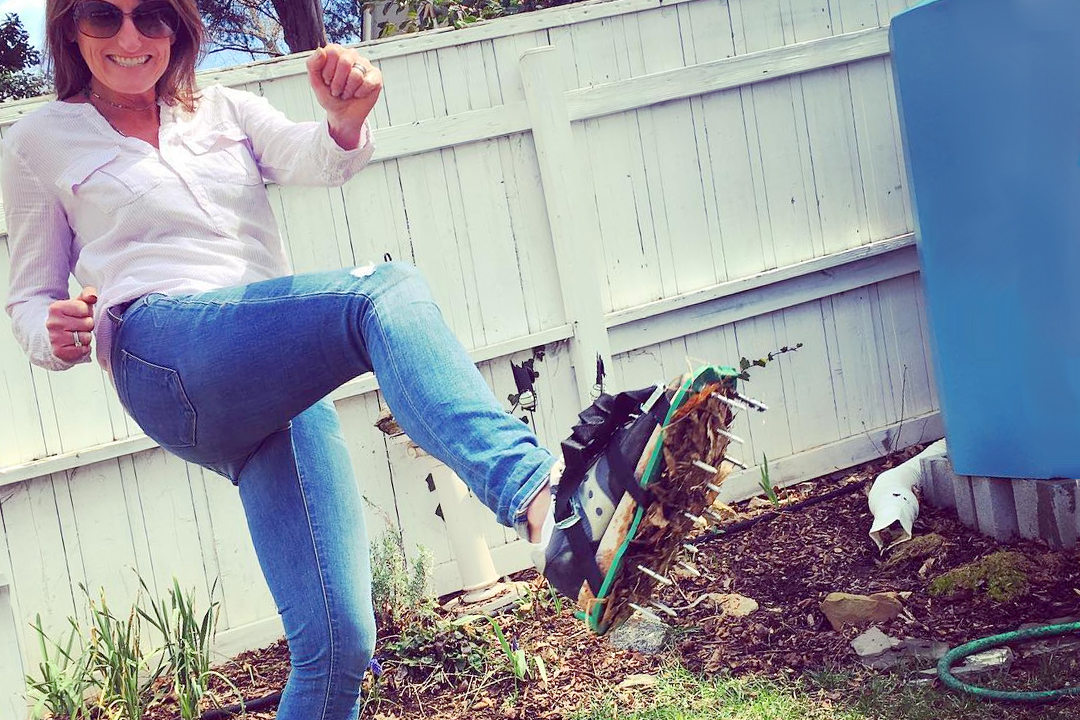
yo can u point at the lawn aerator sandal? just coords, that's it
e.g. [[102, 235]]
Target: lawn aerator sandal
[[642, 468]]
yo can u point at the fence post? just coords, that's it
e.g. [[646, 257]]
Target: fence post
[[577, 244]]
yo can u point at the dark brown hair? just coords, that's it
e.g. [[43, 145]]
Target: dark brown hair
[[71, 75]]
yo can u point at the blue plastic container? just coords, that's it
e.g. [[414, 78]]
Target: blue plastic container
[[989, 98]]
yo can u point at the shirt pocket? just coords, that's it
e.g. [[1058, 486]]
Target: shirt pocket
[[223, 156], [108, 179]]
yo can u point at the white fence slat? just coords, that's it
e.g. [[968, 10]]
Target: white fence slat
[[808, 394], [245, 598], [575, 249], [20, 426], [39, 573]]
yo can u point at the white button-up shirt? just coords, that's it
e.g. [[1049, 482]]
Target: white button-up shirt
[[130, 219]]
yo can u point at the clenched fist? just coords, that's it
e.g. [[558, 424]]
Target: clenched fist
[[347, 86], [71, 326]]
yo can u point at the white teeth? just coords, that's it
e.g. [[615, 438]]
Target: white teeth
[[129, 62]]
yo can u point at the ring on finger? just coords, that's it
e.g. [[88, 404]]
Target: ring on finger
[[361, 67], [78, 340]]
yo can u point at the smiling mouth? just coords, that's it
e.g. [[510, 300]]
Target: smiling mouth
[[130, 61]]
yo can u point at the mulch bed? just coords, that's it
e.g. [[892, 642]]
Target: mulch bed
[[787, 565]]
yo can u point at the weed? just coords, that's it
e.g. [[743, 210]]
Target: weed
[[186, 644], [766, 483], [117, 661], [400, 595], [65, 680]]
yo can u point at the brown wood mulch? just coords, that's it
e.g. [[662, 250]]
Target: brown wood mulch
[[787, 565]]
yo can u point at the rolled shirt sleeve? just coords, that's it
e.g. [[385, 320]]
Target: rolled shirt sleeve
[[292, 153], [40, 247]]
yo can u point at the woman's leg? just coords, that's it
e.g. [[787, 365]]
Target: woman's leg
[[228, 379], [241, 362], [306, 518]]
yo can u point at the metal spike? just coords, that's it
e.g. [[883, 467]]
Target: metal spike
[[713, 514], [657, 393], [663, 608], [696, 519], [730, 436], [714, 488], [756, 404], [737, 463], [737, 404], [692, 549], [705, 466], [655, 575], [690, 569], [645, 611]]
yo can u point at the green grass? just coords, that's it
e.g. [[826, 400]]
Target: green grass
[[680, 695]]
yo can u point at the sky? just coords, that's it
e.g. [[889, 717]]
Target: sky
[[32, 14]]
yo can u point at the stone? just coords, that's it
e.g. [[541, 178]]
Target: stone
[[874, 642], [642, 634], [849, 609], [965, 501], [987, 661], [937, 485], [995, 511], [924, 650], [733, 604], [1047, 510], [1055, 644]]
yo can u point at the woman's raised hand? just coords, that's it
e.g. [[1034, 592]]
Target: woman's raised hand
[[71, 325], [347, 86]]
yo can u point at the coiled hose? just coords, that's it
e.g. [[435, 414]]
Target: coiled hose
[[950, 658]]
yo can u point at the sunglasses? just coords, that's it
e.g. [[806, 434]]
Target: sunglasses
[[103, 20]]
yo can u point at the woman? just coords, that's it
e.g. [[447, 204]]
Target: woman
[[152, 195]]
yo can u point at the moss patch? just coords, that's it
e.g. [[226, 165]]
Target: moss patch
[[1002, 575], [917, 548]]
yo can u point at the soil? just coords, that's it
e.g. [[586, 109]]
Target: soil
[[787, 564]]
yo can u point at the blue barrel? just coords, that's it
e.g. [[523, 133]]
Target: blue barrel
[[989, 100]]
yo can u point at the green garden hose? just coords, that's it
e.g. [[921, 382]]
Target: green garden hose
[[975, 646]]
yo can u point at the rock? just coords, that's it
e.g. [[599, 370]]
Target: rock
[[874, 642], [733, 604], [993, 660], [1052, 644], [848, 609], [758, 503], [642, 634], [639, 680], [924, 650], [891, 651]]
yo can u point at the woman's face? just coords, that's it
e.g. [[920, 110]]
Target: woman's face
[[129, 62]]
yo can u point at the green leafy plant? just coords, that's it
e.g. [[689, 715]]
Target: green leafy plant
[[514, 653], [187, 639], [745, 364], [766, 483], [64, 679], [117, 661], [401, 594]]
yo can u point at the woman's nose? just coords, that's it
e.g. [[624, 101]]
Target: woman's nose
[[129, 36]]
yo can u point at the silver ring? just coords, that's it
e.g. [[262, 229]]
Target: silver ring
[[78, 341], [363, 70]]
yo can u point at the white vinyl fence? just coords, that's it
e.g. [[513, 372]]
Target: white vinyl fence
[[656, 183]]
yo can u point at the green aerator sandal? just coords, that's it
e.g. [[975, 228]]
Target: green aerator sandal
[[642, 471]]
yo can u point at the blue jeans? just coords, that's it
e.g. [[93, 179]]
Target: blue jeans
[[234, 380]]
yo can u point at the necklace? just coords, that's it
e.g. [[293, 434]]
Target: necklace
[[119, 106]]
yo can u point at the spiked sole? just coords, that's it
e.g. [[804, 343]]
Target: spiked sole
[[683, 472]]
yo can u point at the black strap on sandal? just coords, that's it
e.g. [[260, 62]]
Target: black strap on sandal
[[590, 439]]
